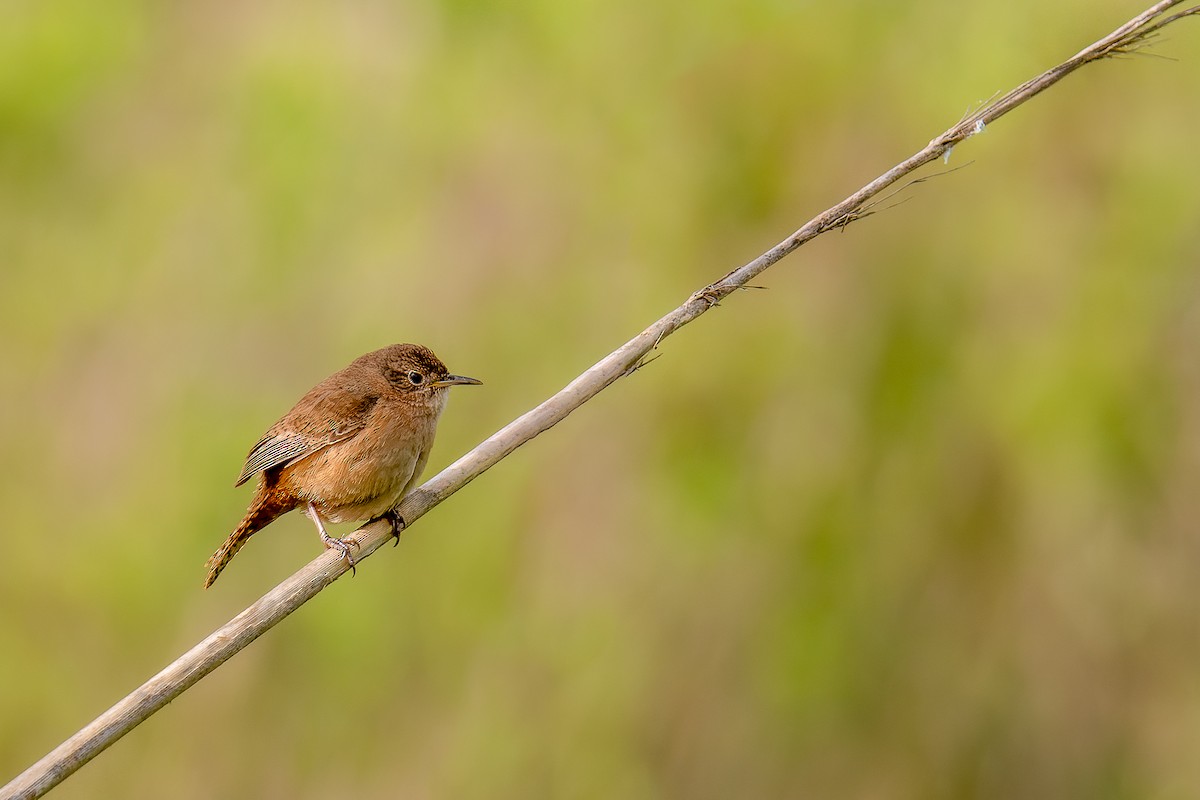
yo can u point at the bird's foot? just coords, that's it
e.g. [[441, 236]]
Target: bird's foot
[[398, 524], [342, 546]]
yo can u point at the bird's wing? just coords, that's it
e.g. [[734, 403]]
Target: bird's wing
[[327, 415]]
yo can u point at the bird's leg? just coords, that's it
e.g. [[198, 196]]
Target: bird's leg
[[341, 545]]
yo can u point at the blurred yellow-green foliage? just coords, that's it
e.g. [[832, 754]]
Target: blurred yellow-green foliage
[[920, 521]]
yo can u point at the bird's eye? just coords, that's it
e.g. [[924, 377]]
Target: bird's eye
[[415, 378]]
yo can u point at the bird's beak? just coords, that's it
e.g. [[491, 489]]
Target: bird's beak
[[457, 380]]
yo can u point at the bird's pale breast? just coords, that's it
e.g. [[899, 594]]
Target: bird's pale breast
[[367, 475]]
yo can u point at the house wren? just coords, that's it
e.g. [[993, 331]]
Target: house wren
[[349, 450]]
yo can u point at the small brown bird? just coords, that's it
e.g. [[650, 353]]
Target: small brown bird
[[350, 449]]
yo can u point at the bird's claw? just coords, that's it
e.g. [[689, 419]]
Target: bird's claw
[[398, 524], [343, 546]]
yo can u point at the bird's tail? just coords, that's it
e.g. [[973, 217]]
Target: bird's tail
[[263, 509]]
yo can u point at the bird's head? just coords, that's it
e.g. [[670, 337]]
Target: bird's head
[[414, 370]]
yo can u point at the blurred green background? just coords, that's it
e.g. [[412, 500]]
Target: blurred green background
[[918, 522]]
